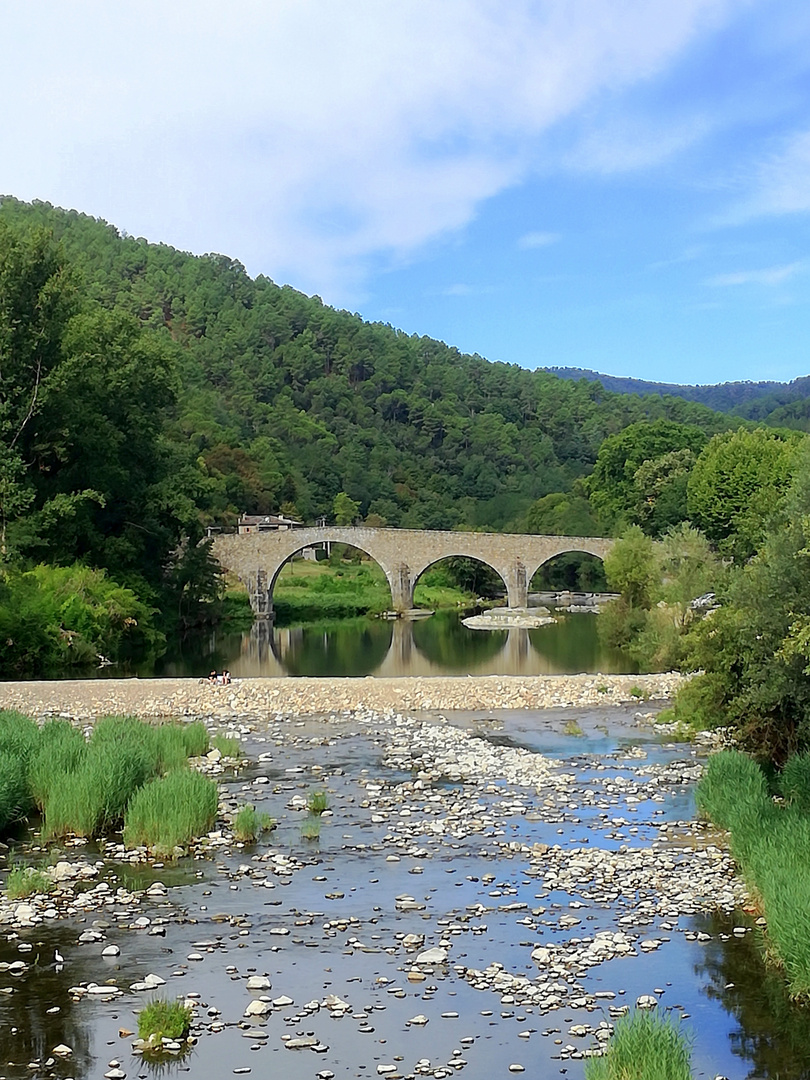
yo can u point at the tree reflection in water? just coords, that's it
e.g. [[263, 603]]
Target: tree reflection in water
[[445, 641], [774, 1032]]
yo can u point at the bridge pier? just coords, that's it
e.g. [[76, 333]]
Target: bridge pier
[[261, 596], [401, 588], [517, 585]]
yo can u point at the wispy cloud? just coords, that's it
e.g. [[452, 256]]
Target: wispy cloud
[[777, 184], [538, 239], [770, 276]]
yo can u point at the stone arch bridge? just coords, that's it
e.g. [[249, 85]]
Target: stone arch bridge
[[402, 554]]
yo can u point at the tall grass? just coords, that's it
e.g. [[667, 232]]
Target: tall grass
[[170, 811], [644, 1046], [732, 784], [794, 782], [92, 798], [18, 738], [771, 843]]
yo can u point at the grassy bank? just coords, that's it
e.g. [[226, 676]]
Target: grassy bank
[[770, 839], [128, 773]]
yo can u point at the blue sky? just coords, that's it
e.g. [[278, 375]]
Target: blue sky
[[622, 185]]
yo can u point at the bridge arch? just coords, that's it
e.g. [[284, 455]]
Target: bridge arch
[[416, 573]]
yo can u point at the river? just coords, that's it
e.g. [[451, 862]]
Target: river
[[550, 857], [438, 645]]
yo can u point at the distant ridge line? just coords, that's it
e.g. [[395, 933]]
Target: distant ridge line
[[724, 397]]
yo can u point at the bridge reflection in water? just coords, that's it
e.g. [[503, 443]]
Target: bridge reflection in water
[[440, 645]]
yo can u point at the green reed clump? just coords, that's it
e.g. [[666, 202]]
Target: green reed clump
[[318, 802], [18, 734], [25, 881], [779, 868], [644, 1046], [85, 787], [15, 797], [248, 823], [93, 797], [171, 811], [162, 1019], [226, 745]]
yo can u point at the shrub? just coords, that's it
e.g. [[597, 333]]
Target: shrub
[[171, 811], [162, 1019], [52, 617], [644, 1046]]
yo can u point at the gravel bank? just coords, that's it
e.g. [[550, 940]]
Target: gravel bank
[[87, 698]]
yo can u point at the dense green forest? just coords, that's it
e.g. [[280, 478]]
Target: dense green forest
[[146, 393]]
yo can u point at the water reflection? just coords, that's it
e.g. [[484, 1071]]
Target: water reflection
[[439, 645], [773, 1036], [30, 1030]]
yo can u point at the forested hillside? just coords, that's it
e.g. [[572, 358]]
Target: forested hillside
[[773, 403], [287, 402]]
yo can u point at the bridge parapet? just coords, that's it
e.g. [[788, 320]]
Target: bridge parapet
[[402, 554]]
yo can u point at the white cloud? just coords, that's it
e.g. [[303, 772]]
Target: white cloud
[[771, 275], [310, 136], [538, 239]]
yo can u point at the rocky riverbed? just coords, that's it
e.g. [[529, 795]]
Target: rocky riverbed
[[87, 698], [486, 892]]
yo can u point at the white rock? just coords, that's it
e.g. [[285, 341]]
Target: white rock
[[259, 1007], [436, 955], [258, 982]]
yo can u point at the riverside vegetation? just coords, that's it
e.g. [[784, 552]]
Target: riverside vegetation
[[128, 773]]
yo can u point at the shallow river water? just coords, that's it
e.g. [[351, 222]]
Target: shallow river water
[[485, 837]]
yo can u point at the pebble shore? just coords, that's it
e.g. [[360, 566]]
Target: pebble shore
[[84, 699]]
